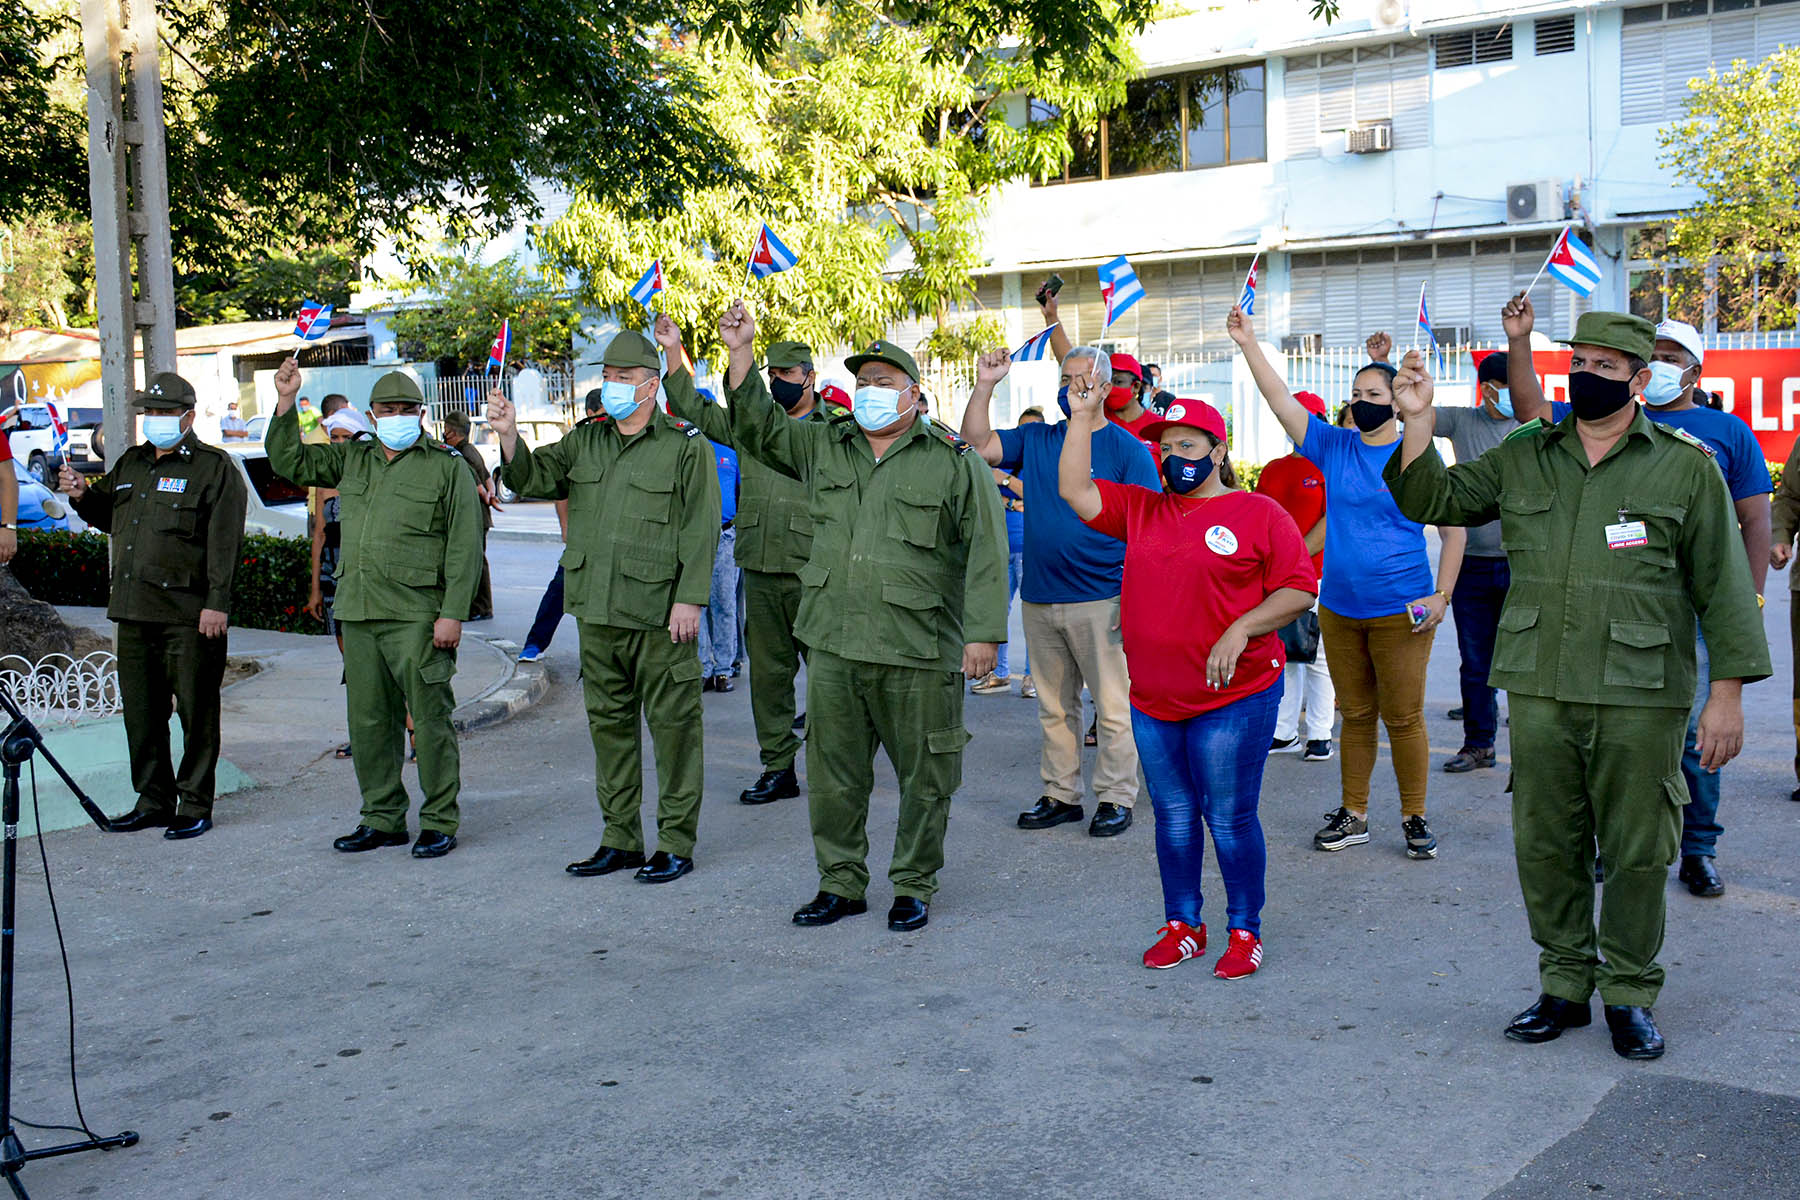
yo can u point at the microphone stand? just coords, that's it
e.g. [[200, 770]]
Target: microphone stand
[[18, 743]]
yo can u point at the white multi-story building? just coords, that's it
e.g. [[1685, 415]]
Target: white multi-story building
[[1434, 142]]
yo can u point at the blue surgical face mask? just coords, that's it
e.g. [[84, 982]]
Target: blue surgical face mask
[[1665, 386], [1503, 401], [876, 407], [162, 431], [1062, 400], [398, 431], [620, 399]]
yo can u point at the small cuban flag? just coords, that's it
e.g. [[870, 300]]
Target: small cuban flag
[[1573, 264], [59, 433], [649, 285], [502, 346], [1430, 337], [1120, 287], [1247, 299], [314, 320], [1035, 349], [768, 256]]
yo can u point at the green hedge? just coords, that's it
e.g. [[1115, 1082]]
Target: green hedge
[[268, 591]]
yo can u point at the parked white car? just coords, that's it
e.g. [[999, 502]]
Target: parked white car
[[272, 504], [32, 437]]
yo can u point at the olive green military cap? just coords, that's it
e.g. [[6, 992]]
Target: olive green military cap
[[888, 353], [629, 348], [1616, 331], [396, 387], [790, 354], [456, 418], [167, 390]]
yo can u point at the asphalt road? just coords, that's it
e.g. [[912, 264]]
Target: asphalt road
[[279, 1020]]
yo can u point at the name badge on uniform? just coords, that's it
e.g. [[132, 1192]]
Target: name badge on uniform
[[1626, 534], [177, 486]]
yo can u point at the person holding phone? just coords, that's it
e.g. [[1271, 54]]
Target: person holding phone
[[1379, 607]]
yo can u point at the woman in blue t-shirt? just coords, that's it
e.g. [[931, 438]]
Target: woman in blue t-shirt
[[1378, 606]]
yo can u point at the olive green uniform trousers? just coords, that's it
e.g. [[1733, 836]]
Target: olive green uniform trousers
[[157, 660], [391, 668], [771, 606], [1596, 772], [916, 715], [625, 673]]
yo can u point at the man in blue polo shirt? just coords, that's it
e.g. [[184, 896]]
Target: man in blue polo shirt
[[718, 623], [1070, 594], [1673, 397]]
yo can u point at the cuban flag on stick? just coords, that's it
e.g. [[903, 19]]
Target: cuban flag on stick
[[314, 320], [1035, 349], [1430, 337], [1247, 301], [59, 433], [768, 256], [1571, 263], [1119, 287], [649, 285], [502, 346]]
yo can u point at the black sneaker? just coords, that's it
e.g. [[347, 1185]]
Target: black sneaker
[[1470, 758], [1455, 714], [1285, 746], [1419, 840], [1318, 751], [1342, 828]]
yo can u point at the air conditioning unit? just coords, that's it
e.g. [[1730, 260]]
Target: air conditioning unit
[[1453, 335], [1303, 343], [1376, 137], [1527, 202]]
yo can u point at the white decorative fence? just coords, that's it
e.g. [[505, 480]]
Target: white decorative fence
[[63, 689]]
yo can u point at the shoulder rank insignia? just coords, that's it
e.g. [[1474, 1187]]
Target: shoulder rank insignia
[[688, 428], [949, 435], [1687, 437]]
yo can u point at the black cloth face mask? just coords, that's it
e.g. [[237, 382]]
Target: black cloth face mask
[[1370, 416], [786, 392], [1183, 475], [1595, 397]]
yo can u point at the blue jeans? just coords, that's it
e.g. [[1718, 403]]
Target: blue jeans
[[1478, 596], [549, 614], [1700, 828], [1015, 567], [1210, 767], [718, 624]]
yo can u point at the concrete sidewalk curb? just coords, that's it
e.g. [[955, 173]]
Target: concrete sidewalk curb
[[524, 686]]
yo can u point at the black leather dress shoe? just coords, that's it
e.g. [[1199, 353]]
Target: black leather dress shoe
[[1701, 876], [800, 727], [433, 844], [722, 683], [909, 912], [135, 820], [369, 839], [1634, 1032], [663, 867], [183, 828], [771, 786], [827, 908], [1047, 813], [606, 860], [1545, 1020], [1110, 820]]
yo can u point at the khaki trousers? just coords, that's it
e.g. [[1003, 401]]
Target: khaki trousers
[[1073, 644]]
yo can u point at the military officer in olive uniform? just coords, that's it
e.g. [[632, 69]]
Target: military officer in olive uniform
[[903, 594], [1621, 535], [410, 547], [644, 507], [174, 508], [774, 538]]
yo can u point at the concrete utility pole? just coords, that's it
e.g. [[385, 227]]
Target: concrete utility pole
[[128, 185]]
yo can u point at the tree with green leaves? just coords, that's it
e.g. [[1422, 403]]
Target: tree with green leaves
[[268, 286], [48, 274], [1739, 144], [465, 304]]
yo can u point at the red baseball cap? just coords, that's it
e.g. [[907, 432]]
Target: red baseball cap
[[1312, 402], [1124, 362], [1196, 414], [832, 394]]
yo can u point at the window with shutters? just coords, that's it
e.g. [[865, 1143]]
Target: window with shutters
[[1663, 46], [1326, 94], [1467, 47], [1555, 35], [1177, 122]]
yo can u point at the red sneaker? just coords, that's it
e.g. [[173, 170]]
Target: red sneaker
[[1177, 942], [1243, 955]]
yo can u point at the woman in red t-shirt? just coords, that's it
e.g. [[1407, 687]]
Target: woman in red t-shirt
[[1211, 573]]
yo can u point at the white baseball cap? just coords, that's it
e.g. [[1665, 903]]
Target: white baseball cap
[[1683, 335]]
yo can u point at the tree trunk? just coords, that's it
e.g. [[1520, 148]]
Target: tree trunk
[[29, 628]]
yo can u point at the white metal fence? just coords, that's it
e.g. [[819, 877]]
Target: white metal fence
[[468, 393]]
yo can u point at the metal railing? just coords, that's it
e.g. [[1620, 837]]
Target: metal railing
[[468, 393]]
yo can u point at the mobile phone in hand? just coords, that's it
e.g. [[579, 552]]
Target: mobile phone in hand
[[1049, 288]]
